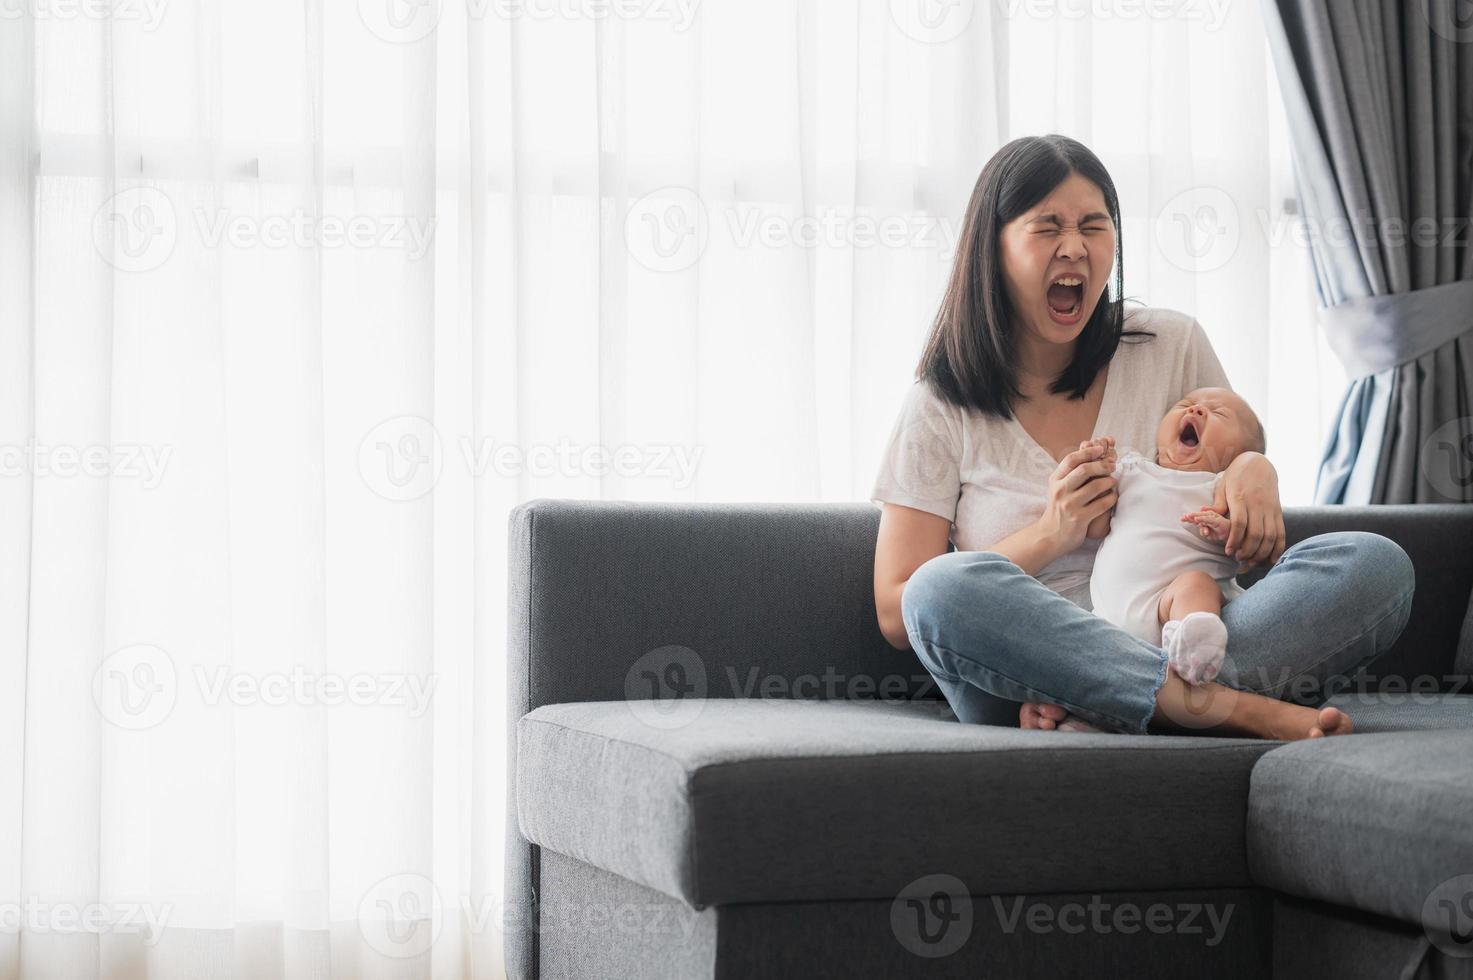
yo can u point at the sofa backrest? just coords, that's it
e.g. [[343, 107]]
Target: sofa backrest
[[617, 600], [624, 601]]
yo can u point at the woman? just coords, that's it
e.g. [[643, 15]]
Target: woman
[[1029, 359]]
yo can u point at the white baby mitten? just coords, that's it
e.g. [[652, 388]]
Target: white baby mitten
[[1195, 646]]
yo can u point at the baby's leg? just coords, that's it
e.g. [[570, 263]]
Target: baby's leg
[[1192, 632]]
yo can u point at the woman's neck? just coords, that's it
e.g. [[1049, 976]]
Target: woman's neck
[[1040, 364]]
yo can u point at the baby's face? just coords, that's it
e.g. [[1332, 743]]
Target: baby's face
[[1205, 431]]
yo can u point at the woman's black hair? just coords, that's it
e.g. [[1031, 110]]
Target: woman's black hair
[[970, 356]]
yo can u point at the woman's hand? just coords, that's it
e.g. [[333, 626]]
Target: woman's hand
[[1079, 490], [1248, 495]]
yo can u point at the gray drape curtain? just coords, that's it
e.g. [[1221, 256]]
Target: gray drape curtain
[[1379, 95]]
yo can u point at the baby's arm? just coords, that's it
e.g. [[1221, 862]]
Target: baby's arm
[[1210, 524], [1100, 526], [1213, 527]]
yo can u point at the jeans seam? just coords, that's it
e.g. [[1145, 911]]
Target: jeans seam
[[1354, 639], [1061, 703]]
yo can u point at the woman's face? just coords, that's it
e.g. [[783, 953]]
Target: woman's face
[[1056, 260]]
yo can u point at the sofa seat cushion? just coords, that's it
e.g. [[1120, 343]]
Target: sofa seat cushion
[[775, 800], [1405, 711], [1372, 822]]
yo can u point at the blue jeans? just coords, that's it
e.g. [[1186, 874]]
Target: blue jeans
[[993, 636]]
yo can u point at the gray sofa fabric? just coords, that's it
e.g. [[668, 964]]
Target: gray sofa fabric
[[759, 801], [601, 925], [1405, 710], [1373, 822], [623, 601]]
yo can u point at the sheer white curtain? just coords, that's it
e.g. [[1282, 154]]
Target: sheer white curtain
[[297, 299]]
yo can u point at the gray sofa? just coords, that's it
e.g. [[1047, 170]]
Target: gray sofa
[[720, 768]]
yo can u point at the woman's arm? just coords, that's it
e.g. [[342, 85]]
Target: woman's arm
[[908, 539]]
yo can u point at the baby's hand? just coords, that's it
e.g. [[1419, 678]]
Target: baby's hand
[[1210, 524], [1105, 442], [1213, 527]]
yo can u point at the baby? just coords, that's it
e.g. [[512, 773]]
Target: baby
[[1162, 577]]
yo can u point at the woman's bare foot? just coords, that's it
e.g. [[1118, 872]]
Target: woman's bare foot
[[1217, 708], [1312, 723]]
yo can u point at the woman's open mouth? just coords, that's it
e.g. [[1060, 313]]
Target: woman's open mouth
[[1065, 298]]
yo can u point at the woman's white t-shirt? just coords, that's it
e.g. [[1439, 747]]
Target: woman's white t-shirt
[[990, 478]]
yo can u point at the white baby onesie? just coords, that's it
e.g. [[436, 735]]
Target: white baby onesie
[[1148, 545]]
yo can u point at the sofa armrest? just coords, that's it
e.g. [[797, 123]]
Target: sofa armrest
[[1439, 540]]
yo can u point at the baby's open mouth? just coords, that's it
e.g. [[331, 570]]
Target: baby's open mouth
[[1189, 434], [1066, 295]]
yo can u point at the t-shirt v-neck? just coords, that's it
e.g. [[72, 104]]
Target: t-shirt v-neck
[[1102, 420]]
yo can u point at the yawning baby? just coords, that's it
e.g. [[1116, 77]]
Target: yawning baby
[[1160, 573]]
